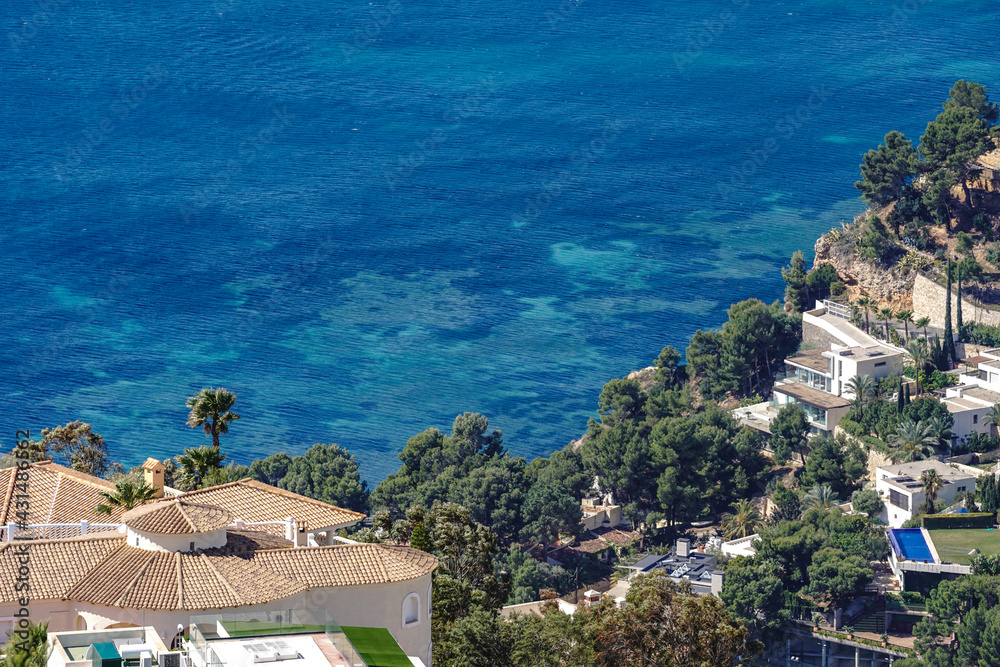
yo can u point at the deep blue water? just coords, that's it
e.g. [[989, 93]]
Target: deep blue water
[[365, 218]]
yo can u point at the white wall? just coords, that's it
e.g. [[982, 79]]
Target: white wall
[[375, 605], [174, 543]]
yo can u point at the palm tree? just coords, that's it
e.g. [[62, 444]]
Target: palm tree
[[214, 405], [196, 463], [822, 496], [920, 356], [886, 315], [913, 439], [923, 323], [905, 317], [127, 495], [993, 418], [743, 522], [862, 386], [865, 304], [932, 484], [941, 430]]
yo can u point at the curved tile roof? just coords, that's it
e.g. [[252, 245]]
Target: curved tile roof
[[251, 500], [57, 494], [177, 517], [253, 568], [348, 564]]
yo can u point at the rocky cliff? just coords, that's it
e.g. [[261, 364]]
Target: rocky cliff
[[889, 288]]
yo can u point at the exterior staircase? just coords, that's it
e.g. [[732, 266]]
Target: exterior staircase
[[871, 619]]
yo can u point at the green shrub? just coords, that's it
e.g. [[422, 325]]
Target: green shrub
[[956, 521], [851, 427], [980, 334], [837, 288], [964, 244]]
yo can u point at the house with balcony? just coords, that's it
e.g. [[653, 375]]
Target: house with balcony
[[817, 379], [972, 399], [902, 491]]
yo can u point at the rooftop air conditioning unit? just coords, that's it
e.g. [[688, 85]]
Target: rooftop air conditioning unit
[[171, 659]]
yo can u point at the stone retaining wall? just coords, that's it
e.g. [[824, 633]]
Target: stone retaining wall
[[928, 301]]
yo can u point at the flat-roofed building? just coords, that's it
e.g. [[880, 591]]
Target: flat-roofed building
[[902, 491]]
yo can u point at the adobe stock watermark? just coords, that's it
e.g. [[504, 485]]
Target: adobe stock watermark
[[21, 632], [30, 25], [294, 278], [902, 12], [785, 128], [246, 154], [702, 34], [65, 336], [582, 161], [370, 29], [117, 111], [473, 104], [565, 10]]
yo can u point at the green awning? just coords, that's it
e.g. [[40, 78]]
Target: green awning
[[377, 647]]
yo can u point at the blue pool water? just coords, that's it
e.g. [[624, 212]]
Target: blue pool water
[[911, 544], [366, 217]]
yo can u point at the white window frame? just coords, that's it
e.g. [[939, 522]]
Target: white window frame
[[406, 601]]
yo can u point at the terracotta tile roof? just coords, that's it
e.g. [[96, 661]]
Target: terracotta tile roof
[[177, 517], [622, 538], [140, 579], [105, 570], [348, 564], [56, 494], [588, 547], [251, 500], [151, 464], [55, 566]]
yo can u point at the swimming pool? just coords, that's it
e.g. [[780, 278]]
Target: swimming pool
[[909, 544]]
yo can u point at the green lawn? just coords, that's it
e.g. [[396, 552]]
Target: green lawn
[[377, 647], [947, 542]]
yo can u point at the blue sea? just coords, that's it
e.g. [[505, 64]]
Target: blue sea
[[367, 217]]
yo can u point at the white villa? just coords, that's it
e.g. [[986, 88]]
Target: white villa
[[902, 491], [817, 379], [218, 551]]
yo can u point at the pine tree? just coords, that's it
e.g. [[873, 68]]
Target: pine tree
[[797, 292], [949, 339]]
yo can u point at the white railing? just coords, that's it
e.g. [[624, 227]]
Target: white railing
[[837, 309], [286, 527], [54, 531]]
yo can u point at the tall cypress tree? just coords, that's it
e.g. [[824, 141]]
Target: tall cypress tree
[[906, 401], [949, 339], [958, 305], [900, 404]]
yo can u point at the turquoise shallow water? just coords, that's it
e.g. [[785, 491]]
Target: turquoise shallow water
[[367, 217]]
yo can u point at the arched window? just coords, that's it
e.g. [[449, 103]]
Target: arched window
[[411, 610]]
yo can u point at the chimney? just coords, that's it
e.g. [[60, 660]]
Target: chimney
[[152, 471], [591, 597], [683, 547], [717, 578]]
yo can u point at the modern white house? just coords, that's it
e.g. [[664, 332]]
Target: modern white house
[[902, 491], [817, 379], [978, 390]]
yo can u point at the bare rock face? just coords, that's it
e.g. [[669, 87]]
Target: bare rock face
[[646, 377], [889, 288]]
